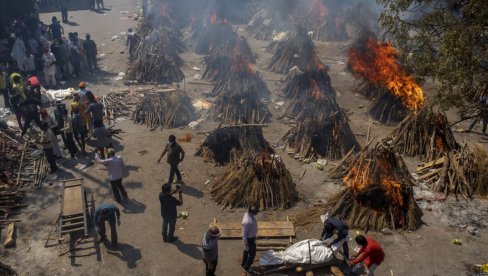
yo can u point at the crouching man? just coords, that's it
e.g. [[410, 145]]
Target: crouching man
[[369, 256], [337, 227]]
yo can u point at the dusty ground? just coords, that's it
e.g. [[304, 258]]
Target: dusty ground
[[427, 251]]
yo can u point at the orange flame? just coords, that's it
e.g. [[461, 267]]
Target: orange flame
[[238, 62], [378, 64], [215, 20]]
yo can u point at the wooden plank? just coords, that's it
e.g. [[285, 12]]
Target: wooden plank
[[72, 201], [438, 161], [265, 229]]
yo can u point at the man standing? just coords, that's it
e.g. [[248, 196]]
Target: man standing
[[372, 256], [31, 113], [115, 166], [211, 250], [249, 233], [74, 55], [91, 53], [55, 29], [132, 40], [79, 129], [68, 132], [175, 156], [64, 10], [47, 137], [334, 226], [18, 53], [102, 139], [484, 115], [107, 212], [49, 67], [168, 211]]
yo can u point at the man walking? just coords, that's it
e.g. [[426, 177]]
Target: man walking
[[91, 53], [64, 10], [132, 40], [116, 167], [483, 116], [370, 254], [334, 226], [175, 156], [168, 211], [210, 250], [107, 212], [249, 233]]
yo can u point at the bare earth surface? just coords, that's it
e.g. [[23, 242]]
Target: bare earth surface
[[427, 251]]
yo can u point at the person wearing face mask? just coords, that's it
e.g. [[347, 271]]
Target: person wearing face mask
[[210, 250], [338, 227], [249, 233], [175, 156]]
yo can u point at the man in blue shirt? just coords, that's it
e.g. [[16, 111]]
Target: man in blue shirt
[[107, 212], [55, 29], [338, 227]]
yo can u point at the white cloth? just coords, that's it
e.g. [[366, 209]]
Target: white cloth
[[29, 63], [310, 251], [49, 66], [18, 53]]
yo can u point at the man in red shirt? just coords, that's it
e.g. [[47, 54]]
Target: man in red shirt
[[370, 255]]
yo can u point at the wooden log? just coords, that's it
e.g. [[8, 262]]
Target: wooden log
[[9, 236]]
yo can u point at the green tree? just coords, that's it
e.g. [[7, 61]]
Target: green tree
[[443, 40]]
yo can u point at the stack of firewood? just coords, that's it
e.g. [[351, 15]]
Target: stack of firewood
[[214, 35], [261, 26], [114, 105], [219, 61], [164, 110], [462, 172], [298, 50], [219, 144], [426, 134], [255, 180], [378, 194]]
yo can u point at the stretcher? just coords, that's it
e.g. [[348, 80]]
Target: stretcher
[[74, 208]]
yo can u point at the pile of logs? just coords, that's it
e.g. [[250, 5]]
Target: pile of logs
[[238, 99], [214, 36], [298, 50], [164, 110], [388, 110], [156, 59], [219, 61], [219, 144], [369, 91], [378, 194], [114, 105], [426, 134], [322, 130], [261, 26], [255, 180], [462, 172]]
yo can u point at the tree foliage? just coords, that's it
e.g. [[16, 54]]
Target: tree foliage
[[445, 40]]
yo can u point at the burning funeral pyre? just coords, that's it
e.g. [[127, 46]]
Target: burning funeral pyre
[[219, 144], [378, 194], [214, 35], [165, 110], [255, 179], [322, 128], [324, 24], [463, 172], [426, 134], [396, 92], [297, 49], [220, 60], [156, 58]]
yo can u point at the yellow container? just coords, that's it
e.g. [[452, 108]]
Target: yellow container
[[457, 241]]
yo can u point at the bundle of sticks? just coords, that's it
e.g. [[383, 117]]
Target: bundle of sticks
[[298, 50], [255, 180], [156, 58], [378, 194], [219, 61], [212, 36], [426, 133], [322, 130], [114, 105], [314, 79], [238, 99], [164, 110], [369, 91], [261, 26], [462, 172], [219, 144], [388, 110]]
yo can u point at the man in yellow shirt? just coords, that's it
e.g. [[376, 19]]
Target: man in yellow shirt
[[77, 103]]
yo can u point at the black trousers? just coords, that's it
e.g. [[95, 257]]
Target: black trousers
[[51, 159], [173, 169], [210, 272], [76, 62], [29, 117], [248, 256], [118, 189], [113, 230], [64, 15], [92, 62], [70, 144], [80, 138]]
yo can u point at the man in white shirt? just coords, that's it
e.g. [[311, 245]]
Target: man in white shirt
[[115, 166]]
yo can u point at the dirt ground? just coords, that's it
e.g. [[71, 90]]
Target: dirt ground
[[427, 251]]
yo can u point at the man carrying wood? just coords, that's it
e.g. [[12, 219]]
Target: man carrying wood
[[168, 211], [249, 233], [369, 256], [175, 156], [211, 250], [334, 226], [107, 212]]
